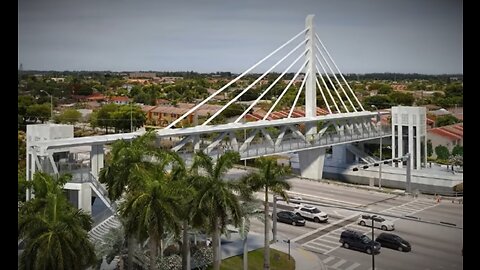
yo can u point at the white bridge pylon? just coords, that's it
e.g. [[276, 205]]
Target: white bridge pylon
[[315, 55], [346, 122]]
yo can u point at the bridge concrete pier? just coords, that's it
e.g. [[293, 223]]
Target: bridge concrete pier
[[80, 194], [311, 163], [97, 156]]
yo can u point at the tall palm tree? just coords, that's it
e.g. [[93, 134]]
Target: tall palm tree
[[151, 207], [270, 178], [187, 177], [54, 231], [121, 173], [216, 197], [250, 210]]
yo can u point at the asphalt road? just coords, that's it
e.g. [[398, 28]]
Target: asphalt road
[[434, 246]]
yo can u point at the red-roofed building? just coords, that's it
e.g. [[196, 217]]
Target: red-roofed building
[[119, 100], [98, 97], [448, 136], [297, 112]]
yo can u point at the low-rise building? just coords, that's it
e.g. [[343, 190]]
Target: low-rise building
[[448, 136]]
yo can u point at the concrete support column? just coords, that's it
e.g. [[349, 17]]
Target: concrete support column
[[82, 195], [96, 159], [85, 198], [339, 154], [418, 150], [196, 143], [311, 163], [411, 147], [394, 144], [425, 140], [400, 145]]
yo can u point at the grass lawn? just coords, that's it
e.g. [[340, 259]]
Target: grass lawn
[[278, 261]]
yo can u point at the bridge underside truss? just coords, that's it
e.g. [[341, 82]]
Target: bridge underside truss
[[273, 137]]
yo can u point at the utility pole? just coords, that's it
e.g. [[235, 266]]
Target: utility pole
[[379, 121]]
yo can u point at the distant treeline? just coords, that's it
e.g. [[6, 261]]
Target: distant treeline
[[403, 76], [193, 74]]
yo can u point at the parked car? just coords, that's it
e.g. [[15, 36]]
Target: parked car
[[357, 240], [311, 212], [393, 241], [290, 218], [378, 222]]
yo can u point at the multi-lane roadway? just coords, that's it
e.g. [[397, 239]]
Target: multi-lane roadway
[[435, 230]]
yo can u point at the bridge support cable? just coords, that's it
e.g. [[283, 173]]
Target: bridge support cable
[[328, 90], [298, 94], [331, 83], [323, 95], [270, 87], [339, 72], [251, 85], [285, 90], [233, 81], [336, 79]]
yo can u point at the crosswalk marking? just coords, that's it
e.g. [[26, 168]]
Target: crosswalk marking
[[353, 266], [312, 248], [330, 239], [325, 240], [320, 245], [342, 261], [328, 259]]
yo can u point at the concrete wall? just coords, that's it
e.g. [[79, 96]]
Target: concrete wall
[[427, 182]]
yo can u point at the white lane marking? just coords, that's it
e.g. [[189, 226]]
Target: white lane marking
[[322, 198]]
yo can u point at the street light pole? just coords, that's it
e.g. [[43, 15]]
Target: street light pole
[[381, 146], [51, 104]]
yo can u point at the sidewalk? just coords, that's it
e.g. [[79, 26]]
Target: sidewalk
[[304, 259]]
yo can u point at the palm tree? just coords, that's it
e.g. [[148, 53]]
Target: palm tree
[[187, 177], [269, 177], [55, 232], [216, 197], [122, 173], [250, 210], [151, 207]]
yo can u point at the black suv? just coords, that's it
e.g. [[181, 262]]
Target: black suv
[[357, 240], [290, 218], [393, 241]]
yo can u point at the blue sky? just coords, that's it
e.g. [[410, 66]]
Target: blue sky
[[363, 36]]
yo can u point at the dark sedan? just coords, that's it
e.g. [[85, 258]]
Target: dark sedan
[[393, 241], [290, 218]]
